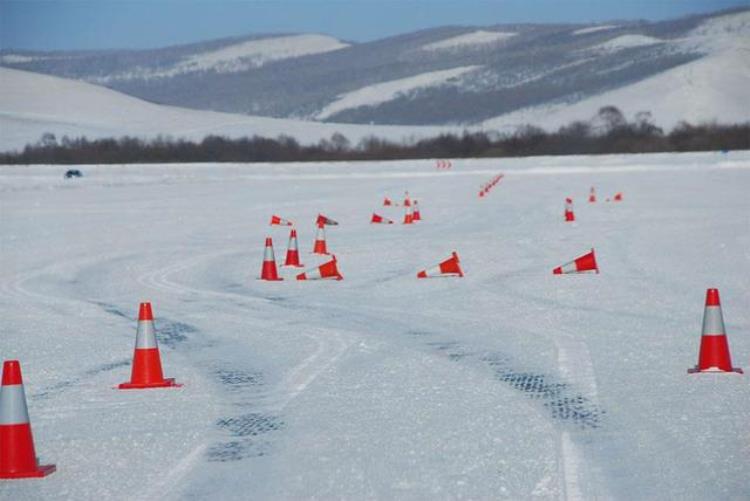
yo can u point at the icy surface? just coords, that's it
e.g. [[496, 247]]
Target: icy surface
[[387, 91], [510, 383], [32, 104], [475, 38]]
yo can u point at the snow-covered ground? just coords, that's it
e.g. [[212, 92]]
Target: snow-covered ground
[[379, 93], [510, 383], [594, 29], [476, 39], [32, 104], [625, 42]]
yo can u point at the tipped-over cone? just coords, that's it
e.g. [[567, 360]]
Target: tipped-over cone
[[583, 264], [326, 271], [378, 219], [280, 221], [451, 267]]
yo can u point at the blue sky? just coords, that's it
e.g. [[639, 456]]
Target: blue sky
[[98, 24]]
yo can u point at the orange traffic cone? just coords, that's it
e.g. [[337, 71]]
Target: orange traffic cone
[[408, 215], [407, 200], [292, 251], [146, 372], [592, 195], [416, 216], [582, 264], [269, 271], [449, 267], [387, 202], [569, 215], [378, 219], [320, 241], [17, 456], [714, 351], [326, 271], [323, 220], [617, 197], [280, 221]]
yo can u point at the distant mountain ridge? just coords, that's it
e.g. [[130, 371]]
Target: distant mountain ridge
[[443, 76]]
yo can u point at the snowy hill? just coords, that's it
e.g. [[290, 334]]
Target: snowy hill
[[32, 104]]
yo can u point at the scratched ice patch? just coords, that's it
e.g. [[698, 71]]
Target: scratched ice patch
[[247, 431]]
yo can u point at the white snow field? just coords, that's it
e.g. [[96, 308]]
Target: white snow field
[[475, 39], [509, 383], [32, 104]]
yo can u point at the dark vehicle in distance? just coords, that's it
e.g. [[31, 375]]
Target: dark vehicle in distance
[[71, 173]]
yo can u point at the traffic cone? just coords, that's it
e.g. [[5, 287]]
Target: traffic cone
[[416, 216], [268, 271], [326, 271], [407, 200], [387, 202], [569, 215], [320, 241], [582, 264], [378, 219], [617, 197], [592, 195], [714, 351], [146, 372], [323, 220], [280, 221], [408, 215], [449, 267], [292, 251], [17, 456]]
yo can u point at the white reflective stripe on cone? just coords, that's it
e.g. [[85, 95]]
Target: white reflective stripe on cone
[[713, 321], [569, 267], [13, 405], [146, 337], [433, 271], [268, 254], [313, 274]]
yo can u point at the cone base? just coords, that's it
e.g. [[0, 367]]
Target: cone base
[[41, 471], [715, 370], [167, 383], [271, 279], [292, 266]]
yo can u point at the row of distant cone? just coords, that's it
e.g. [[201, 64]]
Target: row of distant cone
[[486, 187], [411, 211], [592, 196], [569, 214]]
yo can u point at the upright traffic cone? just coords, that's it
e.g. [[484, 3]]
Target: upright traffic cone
[[17, 456], [569, 215], [320, 241], [416, 216], [582, 264], [292, 251], [146, 372], [407, 200], [280, 221], [617, 197], [449, 267], [387, 202], [326, 271], [714, 351], [378, 219], [269, 271], [408, 215], [323, 220], [592, 195]]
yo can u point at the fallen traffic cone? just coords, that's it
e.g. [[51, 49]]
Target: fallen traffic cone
[[378, 219], [326, 271], [569, 215], [714, 351], [449, 267], [17, 456], [617, 197], [592, 195], [323, 220], [320, 241], [269, 271], [146, 372], [416, 216], [582, 264], [280, 221], [408, 215], [292, 251]]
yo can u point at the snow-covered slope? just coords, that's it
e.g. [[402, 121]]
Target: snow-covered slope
[[477, 38], [508, 384], [32, 104], [387, 91], [625, 42], [594, 29]]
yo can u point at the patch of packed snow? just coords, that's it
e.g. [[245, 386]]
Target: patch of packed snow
[[508, 383], [712, 88], [32, 104], [240, 57], [594, 29], [625, 42], [386, 91], [475, 38]]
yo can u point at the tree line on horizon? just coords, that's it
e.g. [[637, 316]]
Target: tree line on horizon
[[609, 132]]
